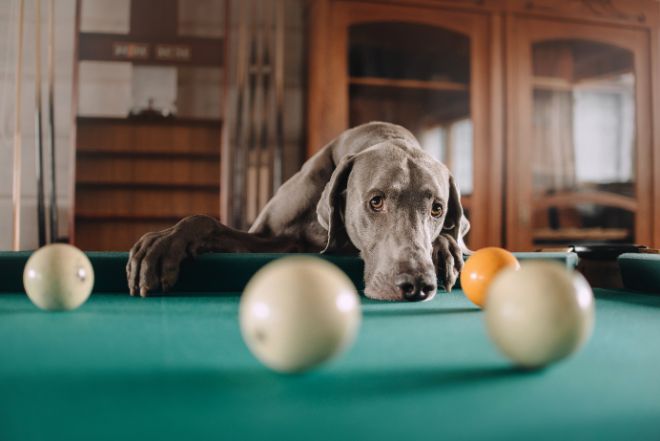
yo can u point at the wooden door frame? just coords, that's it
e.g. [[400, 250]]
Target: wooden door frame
[[655, 85], [522, 33], [328, 99]]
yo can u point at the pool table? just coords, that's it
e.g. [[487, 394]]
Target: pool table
[[175, 367]]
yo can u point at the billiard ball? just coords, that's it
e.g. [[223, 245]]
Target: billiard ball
[[540, 314], [58, 277], [480, 269], [298, 312]]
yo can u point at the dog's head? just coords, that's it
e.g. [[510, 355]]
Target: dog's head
[[392, 203]]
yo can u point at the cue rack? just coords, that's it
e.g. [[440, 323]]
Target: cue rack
[[47, 214]]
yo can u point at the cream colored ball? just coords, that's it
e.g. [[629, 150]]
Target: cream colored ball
[[298, 312], [58, 277], [539, 314]]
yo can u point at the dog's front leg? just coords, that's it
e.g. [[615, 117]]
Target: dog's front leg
[[155, 259], [448, 260]]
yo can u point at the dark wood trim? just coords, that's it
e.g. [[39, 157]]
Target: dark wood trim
[[634, 13], [319, 39], [496, 153], [655, 128], [477, 29], [630, 13], [177, 51], [510, 196]]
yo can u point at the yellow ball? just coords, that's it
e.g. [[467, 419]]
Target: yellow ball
[[58, 277], [298, 312], [481, 268]]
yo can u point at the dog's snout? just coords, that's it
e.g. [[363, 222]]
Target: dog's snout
[[415, 289]]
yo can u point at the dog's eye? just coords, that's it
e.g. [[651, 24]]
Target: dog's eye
[[436, 209], [376, 203]]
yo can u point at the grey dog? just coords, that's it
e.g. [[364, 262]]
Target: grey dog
[[372, 191]]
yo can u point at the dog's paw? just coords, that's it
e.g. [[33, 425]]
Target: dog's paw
[[448, 260], [153, 263]]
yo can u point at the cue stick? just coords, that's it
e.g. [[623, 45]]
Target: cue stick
[[16, 190], [39, 142], [250, 114], [266, 157], [258, 109], [51, 121], [237, 203], [278, 78]]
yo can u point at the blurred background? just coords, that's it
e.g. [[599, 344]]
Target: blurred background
[[545, 111]]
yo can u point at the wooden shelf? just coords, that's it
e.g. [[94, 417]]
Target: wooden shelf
[[409, 84], [580, 234], [573, 198], [132, 217], [150, 186], [552, 83], [138, 121], [564, 85], [194, 155]]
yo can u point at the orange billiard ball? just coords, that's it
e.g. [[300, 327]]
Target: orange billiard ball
[[480, 270]]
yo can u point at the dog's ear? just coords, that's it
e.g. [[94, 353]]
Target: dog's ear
[[456, 224], [330, 209]]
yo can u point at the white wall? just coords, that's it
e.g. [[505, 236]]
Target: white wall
[[64, 43]]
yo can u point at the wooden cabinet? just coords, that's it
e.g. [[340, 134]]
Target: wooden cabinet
[[135, 176], [543, 110], [429, 70], [580, 148], [148, 122]]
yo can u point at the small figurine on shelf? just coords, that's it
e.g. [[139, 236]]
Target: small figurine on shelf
[[152, 112]]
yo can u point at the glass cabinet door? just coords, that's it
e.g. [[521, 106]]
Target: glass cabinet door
[[579, 167], [395, 75], [427, 70]]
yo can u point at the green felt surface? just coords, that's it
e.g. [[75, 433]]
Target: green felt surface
[[175, 368], [640, 272]]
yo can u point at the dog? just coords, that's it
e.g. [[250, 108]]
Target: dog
[[372, 191]]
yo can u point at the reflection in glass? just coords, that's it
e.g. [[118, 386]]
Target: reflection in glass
[[397, 76], [583, 143]]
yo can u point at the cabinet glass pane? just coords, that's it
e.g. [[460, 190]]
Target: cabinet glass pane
[[417, 76], [583, 143]]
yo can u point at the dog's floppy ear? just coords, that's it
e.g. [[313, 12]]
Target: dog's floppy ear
[[456, 224], [329, 210]]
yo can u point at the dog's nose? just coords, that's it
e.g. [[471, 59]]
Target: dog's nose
[[415, 289]]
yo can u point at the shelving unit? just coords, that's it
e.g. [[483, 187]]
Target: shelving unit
[[145, 172], [408, 83]]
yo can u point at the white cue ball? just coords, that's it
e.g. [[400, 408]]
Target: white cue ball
[[298, 312], [539, 314], [58, 277]]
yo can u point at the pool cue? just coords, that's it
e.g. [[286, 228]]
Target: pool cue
[[16, 190], [39, 142], [51, 122], [278, 80]]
